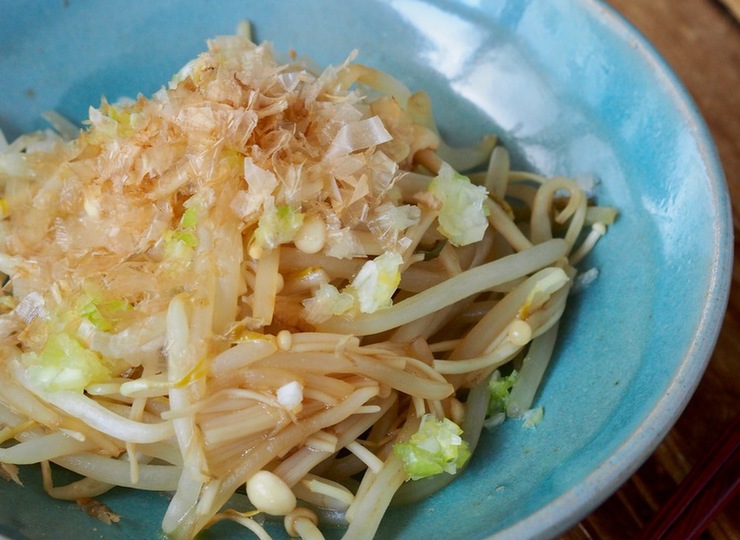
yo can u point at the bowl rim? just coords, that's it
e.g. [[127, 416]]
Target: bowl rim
[[575, 503], [578, 501]]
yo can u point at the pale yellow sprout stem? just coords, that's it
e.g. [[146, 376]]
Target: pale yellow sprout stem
[[419, 405], [456, 410], [449, 260], [415, 233], [263, 453], [227, 399], [292, 260], [323, 441], [324, 491], [311, 362], [462, 159], [415, 365], [482, 250], [180, 360], [519, 176], [365, 455], [443, 346], [27, 404], [124, 410], [116, 472], [497, 357], [377, 79], [36, 448], [374, 496], [368, 480], [242, 354], [455, 289], [540, 220], [543, 319], [501, 221], [305, 459], [70, 428], [243, 519], [242, 423], [228, 248], [166, 451], [597, 231], [575, 199], [410, 184], [577, 221], [86, 487], [495, 321], [497, 175], [429, 160], [9, 432], [317, 395], [302, 523], [332, 386], [368, 409], [424, 326], [600, 214], [383, 349], [522, 192], [208, 493], [531, 372], [301, 281], [415, 279], [133, 462], [402, 380], [436, 407], [265, 286], [100, 418], [136, 413], [316, 341]]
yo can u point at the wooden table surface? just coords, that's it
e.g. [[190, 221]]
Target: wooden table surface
[[700, 39]]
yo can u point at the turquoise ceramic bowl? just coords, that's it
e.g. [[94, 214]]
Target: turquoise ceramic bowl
[[572, 89]]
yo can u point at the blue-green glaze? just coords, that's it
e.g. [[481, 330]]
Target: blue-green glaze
[[572, 89]]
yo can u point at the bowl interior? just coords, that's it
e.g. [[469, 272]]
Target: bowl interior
[[571, 90]]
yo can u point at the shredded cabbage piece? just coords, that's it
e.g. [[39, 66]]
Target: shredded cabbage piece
[[103, 314], [376, 282], [499, 388], [371, 289], [532, 417], [435, 448], [277, 225], [65, 364], [463, 218], [326, 302]]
